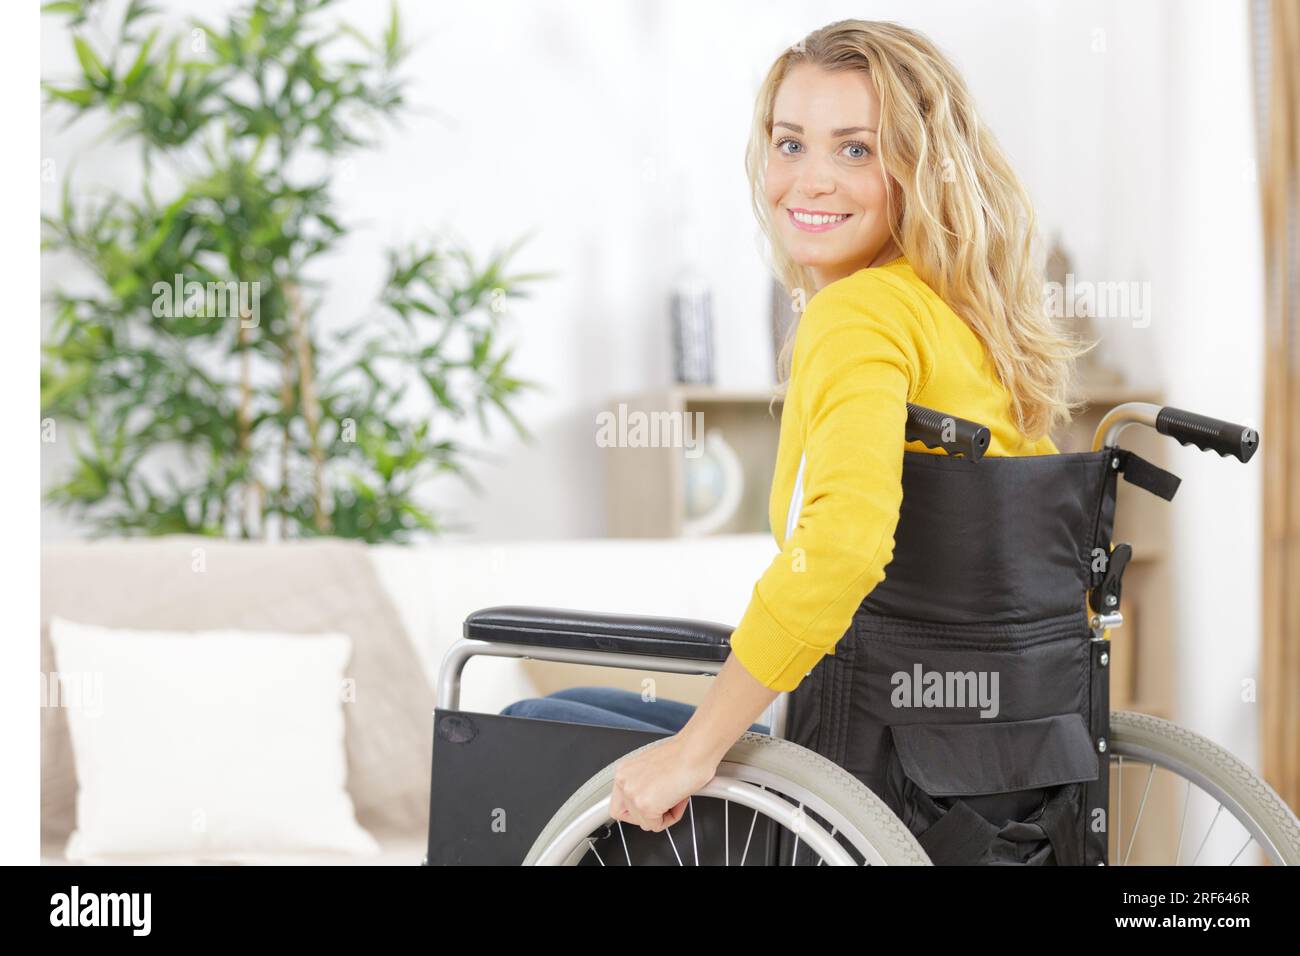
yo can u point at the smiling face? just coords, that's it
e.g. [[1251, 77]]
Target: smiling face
[[825, 185]]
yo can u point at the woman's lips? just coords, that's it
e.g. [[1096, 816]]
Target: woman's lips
[[809, 227]]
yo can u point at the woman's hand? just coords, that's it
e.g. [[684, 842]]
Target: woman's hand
[[652, 788]]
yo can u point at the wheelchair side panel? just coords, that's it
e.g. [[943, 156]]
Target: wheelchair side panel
[[497, 781]]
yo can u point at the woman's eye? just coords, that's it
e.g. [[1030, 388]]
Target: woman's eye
[[861, 150]]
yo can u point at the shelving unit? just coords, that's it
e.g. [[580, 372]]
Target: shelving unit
[[647, 485]]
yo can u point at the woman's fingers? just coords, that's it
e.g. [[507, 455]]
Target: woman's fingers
[[625, 807], [676, 813], [662, 821], [621, 809], [630, 813]]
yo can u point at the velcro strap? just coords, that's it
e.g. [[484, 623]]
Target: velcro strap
[[1060, 821], [1138, 471], [961, 837]]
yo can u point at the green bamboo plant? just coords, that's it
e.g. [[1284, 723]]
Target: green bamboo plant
[[205, 398]]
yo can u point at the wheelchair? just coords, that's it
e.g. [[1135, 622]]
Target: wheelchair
[[962, 719]]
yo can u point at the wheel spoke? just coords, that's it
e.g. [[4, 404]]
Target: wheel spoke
[[592, 844], [795, 854], [821, 860], [690, 808], [1187, 797], [623, 837], [726, 833], [1119, 814], [1207, 835], [1132, 837], [669, 832], [744, 856], [1249, 841]]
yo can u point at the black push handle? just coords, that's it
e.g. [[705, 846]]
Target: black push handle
[[1208, 434], [954, 435]]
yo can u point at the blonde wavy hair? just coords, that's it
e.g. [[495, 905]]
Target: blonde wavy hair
[[963, 219]]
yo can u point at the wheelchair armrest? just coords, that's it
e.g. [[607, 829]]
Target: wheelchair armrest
[[596, 631]]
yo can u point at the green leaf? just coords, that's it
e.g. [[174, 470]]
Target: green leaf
[[81, 98], [91, 65], [134, 74], [64, 7]]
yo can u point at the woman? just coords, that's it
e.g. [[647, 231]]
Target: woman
[[890, 208]]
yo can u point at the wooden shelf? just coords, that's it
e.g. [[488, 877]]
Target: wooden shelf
[[1099, 392], [647, 485], [702, 394]]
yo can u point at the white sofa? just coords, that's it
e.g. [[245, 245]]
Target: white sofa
[[435, 588], [403, 608]]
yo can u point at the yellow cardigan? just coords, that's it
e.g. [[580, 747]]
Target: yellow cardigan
[[866, 345]]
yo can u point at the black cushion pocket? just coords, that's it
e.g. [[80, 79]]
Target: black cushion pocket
[[995, 792]]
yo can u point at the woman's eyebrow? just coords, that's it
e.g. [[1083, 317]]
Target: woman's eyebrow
[[835, 132]]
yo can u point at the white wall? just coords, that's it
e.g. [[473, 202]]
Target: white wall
[[1210, 346], [594, 124], [588, 122]]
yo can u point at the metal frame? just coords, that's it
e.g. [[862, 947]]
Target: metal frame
[[460, 654], [1119, 418]]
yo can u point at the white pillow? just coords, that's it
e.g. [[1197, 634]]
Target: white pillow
[[222, 745]]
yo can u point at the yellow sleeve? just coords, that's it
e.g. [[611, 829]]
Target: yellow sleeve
[[861, 353]]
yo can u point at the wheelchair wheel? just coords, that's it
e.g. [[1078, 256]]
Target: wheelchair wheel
[[764, 785], [1171, 779]]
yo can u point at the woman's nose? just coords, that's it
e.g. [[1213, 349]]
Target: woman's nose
[[812, 187], [815, 180]]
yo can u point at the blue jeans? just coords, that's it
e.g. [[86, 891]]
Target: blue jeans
[[609, 707]]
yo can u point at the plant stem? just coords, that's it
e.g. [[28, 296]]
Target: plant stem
[[242, 417], [307, 396], [286, 404]]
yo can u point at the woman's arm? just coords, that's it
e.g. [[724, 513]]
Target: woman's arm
[[732, 704], [862, 353]]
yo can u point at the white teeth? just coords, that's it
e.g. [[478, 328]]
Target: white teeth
[[817, 220]]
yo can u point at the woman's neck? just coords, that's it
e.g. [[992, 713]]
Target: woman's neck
[[824, 277]]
